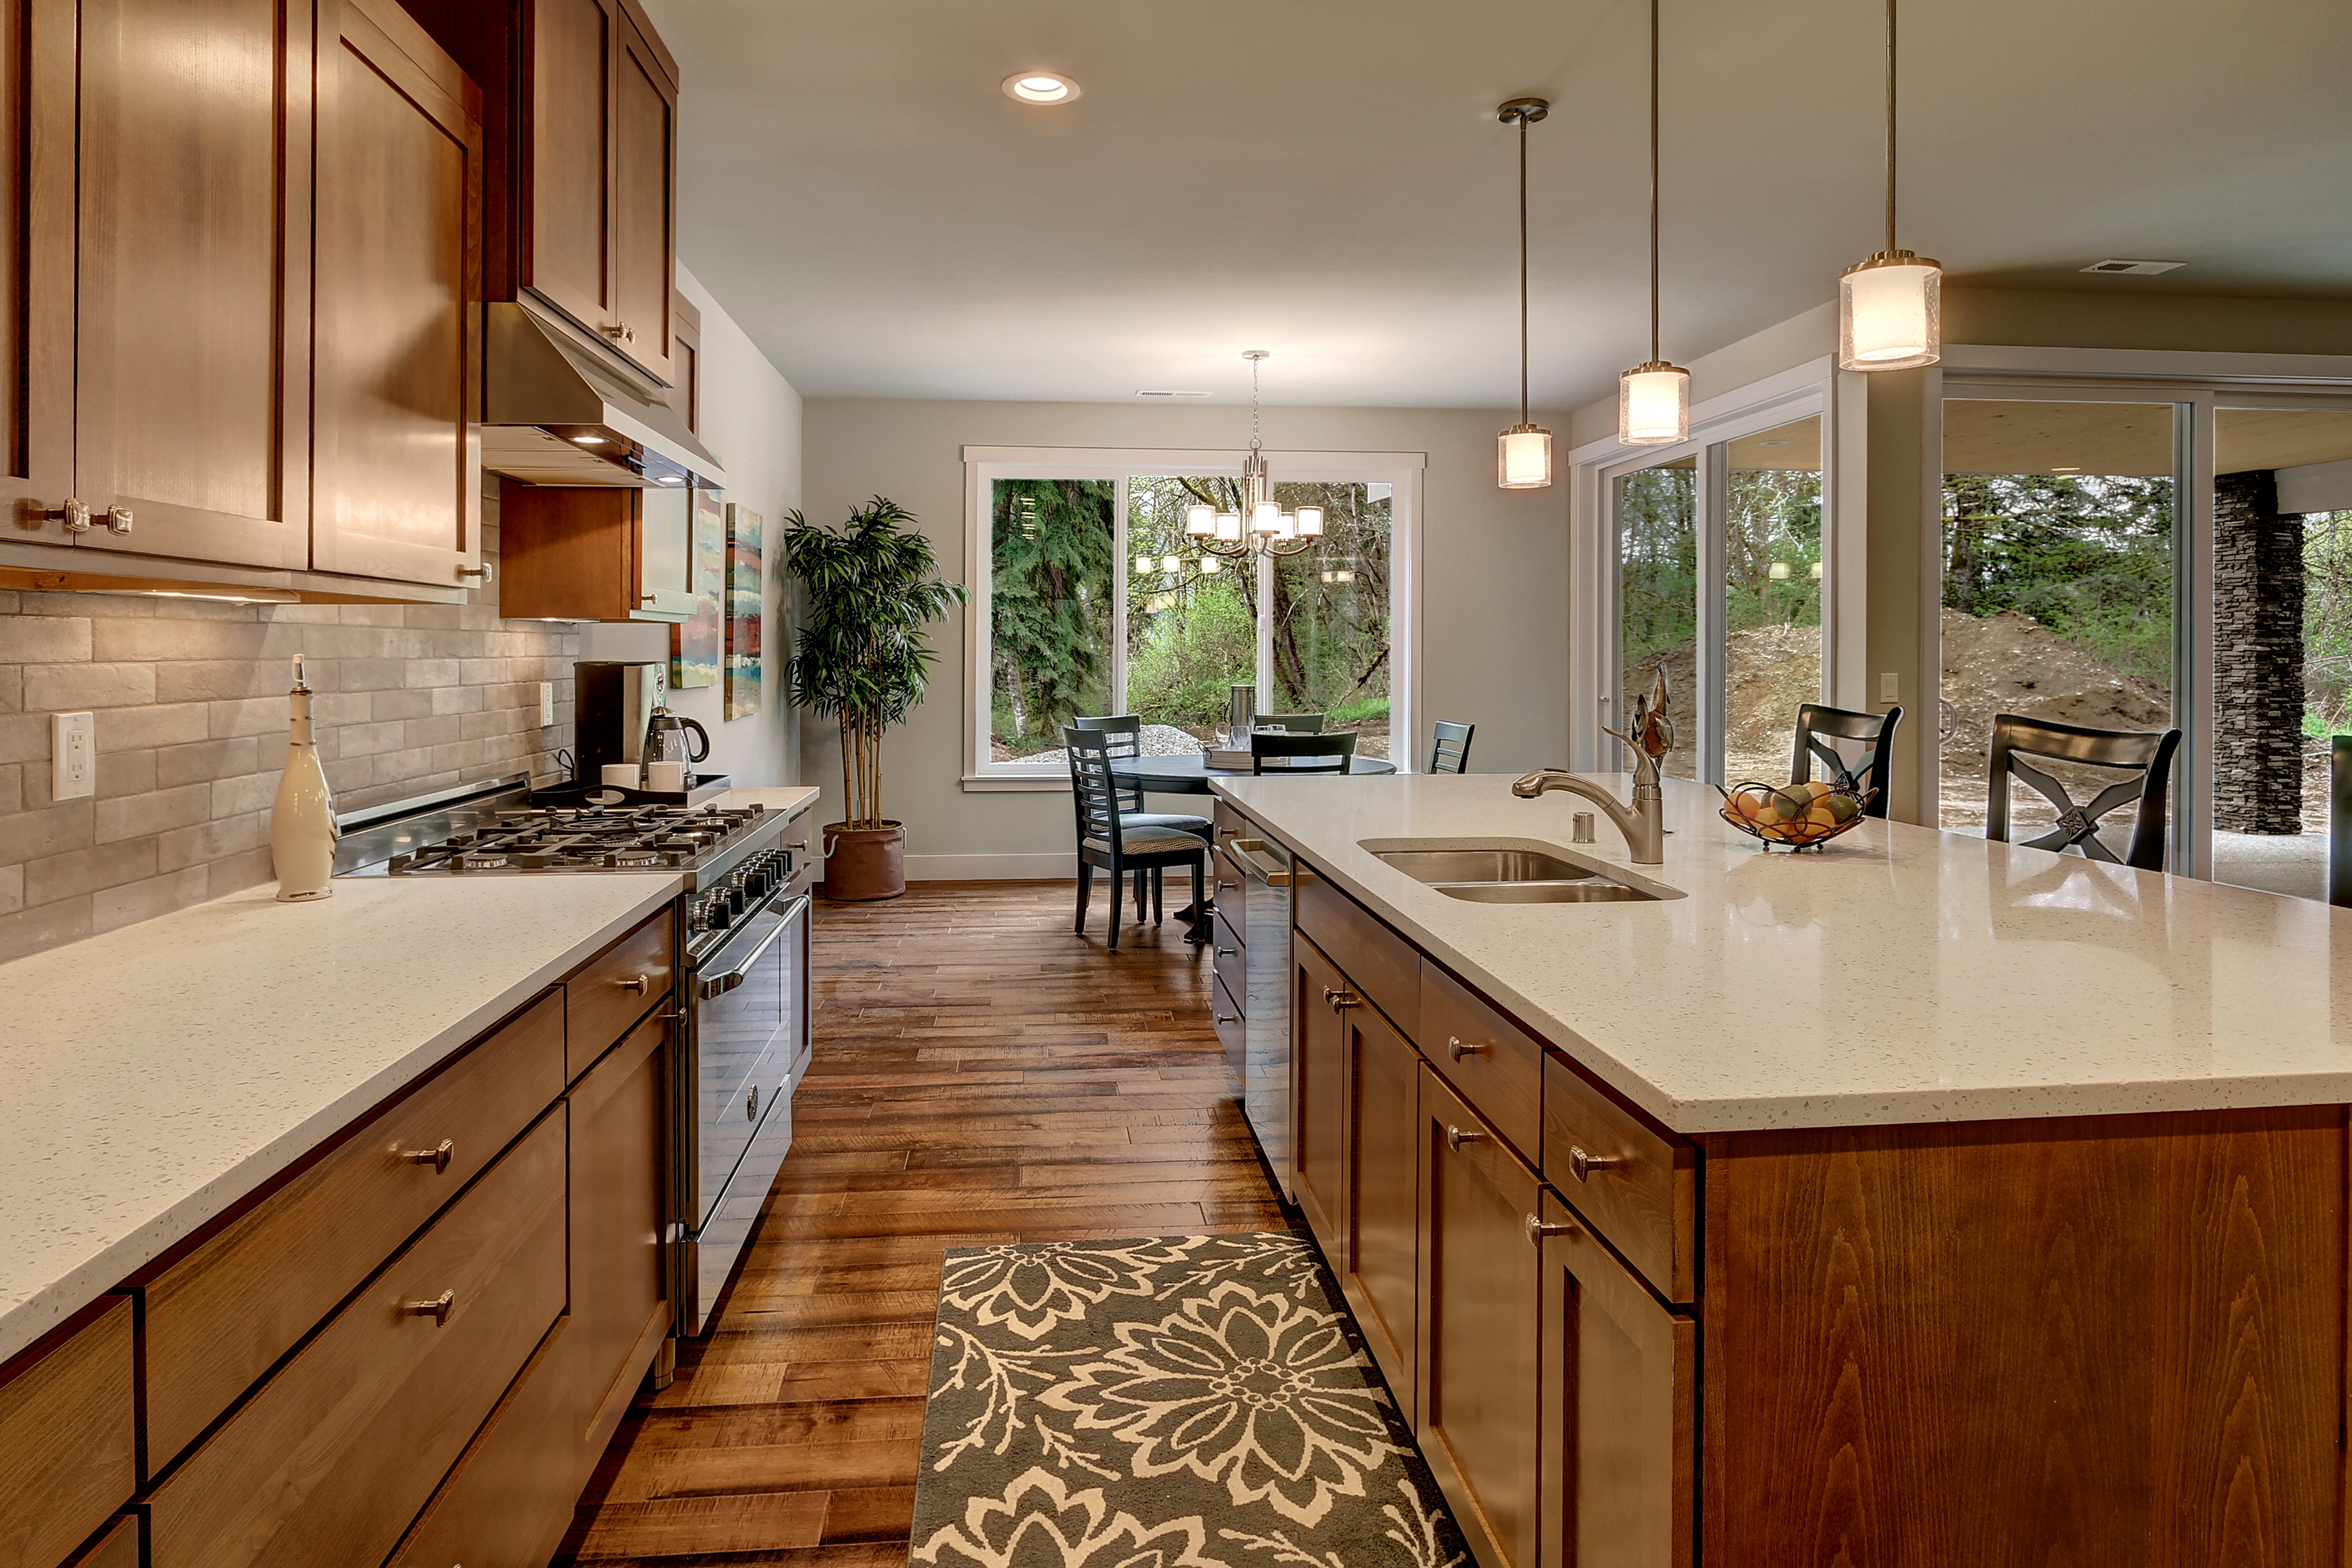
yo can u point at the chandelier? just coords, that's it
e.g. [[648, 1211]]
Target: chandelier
[[1259, 526]]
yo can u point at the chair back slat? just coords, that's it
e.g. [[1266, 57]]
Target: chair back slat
[[2145, 755], [1294, 723], [1818, 724], [1093, 786], [1450, 753], [1325, 753], [1123, 741]]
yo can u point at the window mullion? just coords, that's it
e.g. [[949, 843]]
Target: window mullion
[[1118, 591]]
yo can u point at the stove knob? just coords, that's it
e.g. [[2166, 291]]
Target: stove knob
[[715, 914]]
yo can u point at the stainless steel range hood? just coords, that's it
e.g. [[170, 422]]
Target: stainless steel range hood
[[554, 415]]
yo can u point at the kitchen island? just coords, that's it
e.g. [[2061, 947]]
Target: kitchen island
[[1923, 1200]]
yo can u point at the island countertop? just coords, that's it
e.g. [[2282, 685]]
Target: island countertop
[[1900, 975]]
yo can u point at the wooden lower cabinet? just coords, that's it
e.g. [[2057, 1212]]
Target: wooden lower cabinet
[[67, 1458], [1383, 1185], [1319, 1119], [1619, 1436], [620, 1294], [509, 1500], [117, 1548], [333, 1457], [1479, 1327]]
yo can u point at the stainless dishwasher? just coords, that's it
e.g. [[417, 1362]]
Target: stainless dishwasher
[[1266, 1010]]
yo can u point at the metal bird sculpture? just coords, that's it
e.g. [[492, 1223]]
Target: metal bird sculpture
[[1652, 732]]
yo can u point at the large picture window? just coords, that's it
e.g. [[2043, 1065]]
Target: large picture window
[[1090, 598]]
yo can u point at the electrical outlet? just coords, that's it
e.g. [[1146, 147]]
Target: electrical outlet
[[73, 755], [1890, 687], [546, 703]]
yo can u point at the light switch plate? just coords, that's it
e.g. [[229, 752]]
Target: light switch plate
[[1890, 687], [73, 755], [546, 703]]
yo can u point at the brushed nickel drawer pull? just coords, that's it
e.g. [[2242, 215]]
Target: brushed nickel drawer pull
[[1583, 1164], [752, 1104], [1537, 1230], [1226, 1017], [118, 520], [637, 985], [1456, 1048], [1455, 1137], [1340, 998], [439, 1309], [73, 514], [438, 1157], [1227, 951]]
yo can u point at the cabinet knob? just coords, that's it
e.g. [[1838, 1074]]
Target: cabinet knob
[[637, 985], [1457, 1050], [1583, 1164], [1455, 1137], [439, 1309], [73, 514], [438, 1157], [1340, 998], [118, 520], [620, 334], [483, 571], [1537, 1230]]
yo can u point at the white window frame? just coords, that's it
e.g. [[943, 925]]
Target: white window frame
[[984, 465], [1595, 655]]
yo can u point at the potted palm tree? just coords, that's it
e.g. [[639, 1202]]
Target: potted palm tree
[[871, 587]]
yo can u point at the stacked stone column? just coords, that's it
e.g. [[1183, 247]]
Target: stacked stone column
[[2258, 695]]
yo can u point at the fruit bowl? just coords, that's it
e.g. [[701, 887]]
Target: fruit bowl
[[1800, 816]]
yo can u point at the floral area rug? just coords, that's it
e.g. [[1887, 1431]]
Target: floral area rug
[[1171, 1402]]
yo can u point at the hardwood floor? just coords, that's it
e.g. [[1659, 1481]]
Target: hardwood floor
[[982, 1075]]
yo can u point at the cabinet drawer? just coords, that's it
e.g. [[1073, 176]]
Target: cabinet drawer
[[613, 990], [1375, 960], [1638, 1188], [1225, 1013], [508, 1502], [220, 1316], [118, 1548], [66, 1457], [1486, 1059], [1228, 825], [333, 1456], [1229, 959]]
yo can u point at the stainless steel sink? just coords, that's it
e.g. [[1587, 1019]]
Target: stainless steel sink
[[1440, 866], [1509, 874]]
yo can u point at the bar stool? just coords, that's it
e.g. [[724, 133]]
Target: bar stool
[[1869, 772], [2144, 755]]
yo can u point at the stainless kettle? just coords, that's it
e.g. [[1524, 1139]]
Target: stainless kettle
[[665, 739]]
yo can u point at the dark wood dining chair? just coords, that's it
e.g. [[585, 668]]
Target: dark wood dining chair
[[1818, 724], [1326, 754], [1295, 723], [1124, 733], [1450, 753], [1105, 843], [2144, 755]]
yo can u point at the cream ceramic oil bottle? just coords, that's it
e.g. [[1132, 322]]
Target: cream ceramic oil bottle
[[303, 830]]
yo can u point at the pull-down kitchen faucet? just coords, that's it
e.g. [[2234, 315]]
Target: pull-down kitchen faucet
[[1643, 823]]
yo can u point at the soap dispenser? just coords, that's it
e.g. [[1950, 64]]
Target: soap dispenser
[[303, 830]]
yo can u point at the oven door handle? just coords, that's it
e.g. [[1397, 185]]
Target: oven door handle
[[720, 985]]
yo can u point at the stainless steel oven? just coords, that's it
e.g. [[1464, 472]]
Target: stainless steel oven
[[746, 1002], [1266, 1011]]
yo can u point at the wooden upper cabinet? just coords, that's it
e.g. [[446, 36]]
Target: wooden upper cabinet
[[399, 485], [686, 363], [192, 349], [598, 173], [36, 265]]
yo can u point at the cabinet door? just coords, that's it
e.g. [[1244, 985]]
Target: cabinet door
[[566, 173], [193, 332], [644, 177], [1620, 1437], [620, 1292], [1384, 1142], [399, 484], [1478, 1328], [1319, 1121], [36, 263]]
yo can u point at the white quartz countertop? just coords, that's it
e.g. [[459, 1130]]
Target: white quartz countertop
[[1901, 975], [787, 798], [152, 1076]]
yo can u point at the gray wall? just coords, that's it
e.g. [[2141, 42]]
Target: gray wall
[[1494, 596]]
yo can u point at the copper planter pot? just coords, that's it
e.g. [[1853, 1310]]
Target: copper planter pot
[[864, 864]]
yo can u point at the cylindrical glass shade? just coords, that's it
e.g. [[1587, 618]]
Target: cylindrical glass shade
[[1814, 571], [1229, 527], [1266, 521], [1523, 458], [1653, 405], [1310, 522], [1210, 565], [1170, 563], [1777, 571], [1890, 312], [1142, 564], [1288, 526], [1199, 521]]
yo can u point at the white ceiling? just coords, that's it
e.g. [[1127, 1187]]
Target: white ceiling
[[1326, 179]]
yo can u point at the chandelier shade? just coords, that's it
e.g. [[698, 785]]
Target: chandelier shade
[[1523, 452], [1523, 458], [1890, 307], [1653, 398]]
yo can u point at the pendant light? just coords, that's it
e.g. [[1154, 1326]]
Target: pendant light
[[1523, 452], [1890, 307], [1654, 399]]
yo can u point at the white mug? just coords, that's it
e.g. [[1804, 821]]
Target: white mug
[[621, 775], [665, 778]]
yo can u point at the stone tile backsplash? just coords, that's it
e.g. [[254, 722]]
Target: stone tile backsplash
[[190, 698]]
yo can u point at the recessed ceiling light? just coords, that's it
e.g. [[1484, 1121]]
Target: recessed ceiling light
[[2134, 268], [1040, 86], [1161, 392], [1771, 443]]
